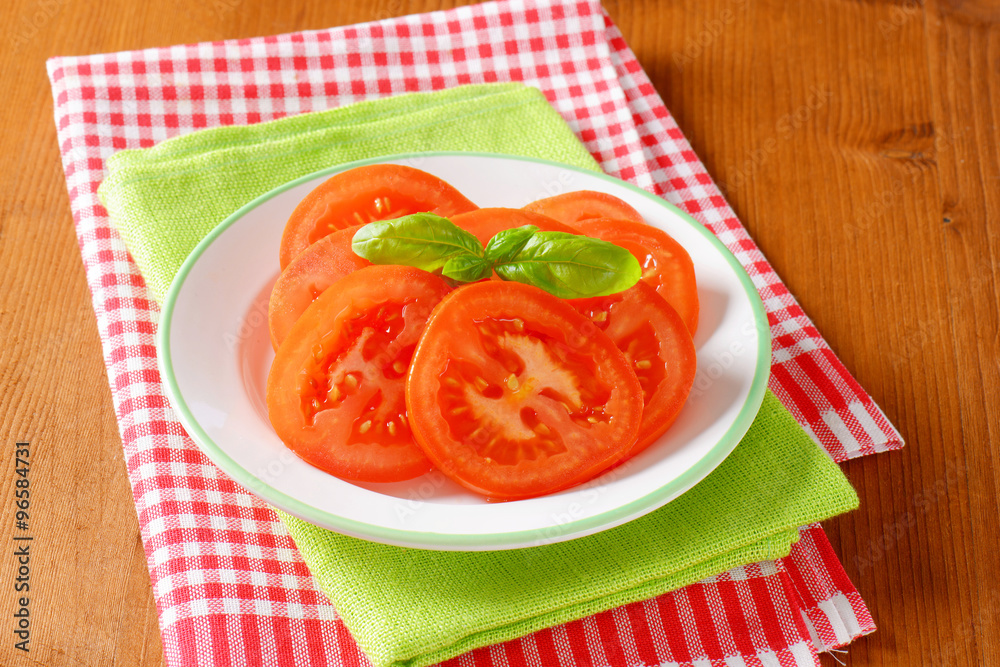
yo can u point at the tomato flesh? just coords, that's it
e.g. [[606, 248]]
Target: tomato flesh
[[513, 393], [657, 345], [365, 194], [307, 276], [485, 223], [335, 393], [666, 266], [574, 207]]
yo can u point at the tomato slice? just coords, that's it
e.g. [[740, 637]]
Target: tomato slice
[[659, 348], [514, 394], [486, 222], [666, 266], [573, 207], [362, 195], [307, 276], [335, 394]]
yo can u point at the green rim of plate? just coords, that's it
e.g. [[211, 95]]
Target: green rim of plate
[[426, 540]]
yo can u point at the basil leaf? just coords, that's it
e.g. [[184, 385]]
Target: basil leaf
[[568, 266], [504, 245], [467, 268], [423, 240], [572, 266]]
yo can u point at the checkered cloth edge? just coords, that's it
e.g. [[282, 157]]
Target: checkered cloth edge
[[230, 587]]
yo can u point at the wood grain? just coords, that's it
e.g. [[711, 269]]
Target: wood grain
[[856, 139]]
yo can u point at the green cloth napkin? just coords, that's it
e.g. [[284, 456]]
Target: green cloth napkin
[[412, 607], [163, 200]]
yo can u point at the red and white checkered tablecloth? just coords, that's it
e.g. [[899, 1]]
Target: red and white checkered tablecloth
[[230, 587]]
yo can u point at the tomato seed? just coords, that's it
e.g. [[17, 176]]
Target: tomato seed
[[364, 427]]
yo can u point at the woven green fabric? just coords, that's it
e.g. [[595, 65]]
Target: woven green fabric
[[163, 200], [411, 607]]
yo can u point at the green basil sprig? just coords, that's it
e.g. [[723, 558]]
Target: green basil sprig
[[568, 266], [423, 240]]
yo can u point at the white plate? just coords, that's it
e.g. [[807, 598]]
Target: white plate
[[215, 353]]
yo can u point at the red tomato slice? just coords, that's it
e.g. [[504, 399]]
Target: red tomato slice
[[514, 394], [335, 394], [486, 222], [666, 266], [307, 276], [659, 348], [573, 207], [362, 195]]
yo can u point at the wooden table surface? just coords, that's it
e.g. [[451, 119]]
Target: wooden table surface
[[858, 142]]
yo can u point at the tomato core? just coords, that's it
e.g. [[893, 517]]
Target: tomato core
[[486, 405], [336, 390], [330, 379], [513, 394]]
